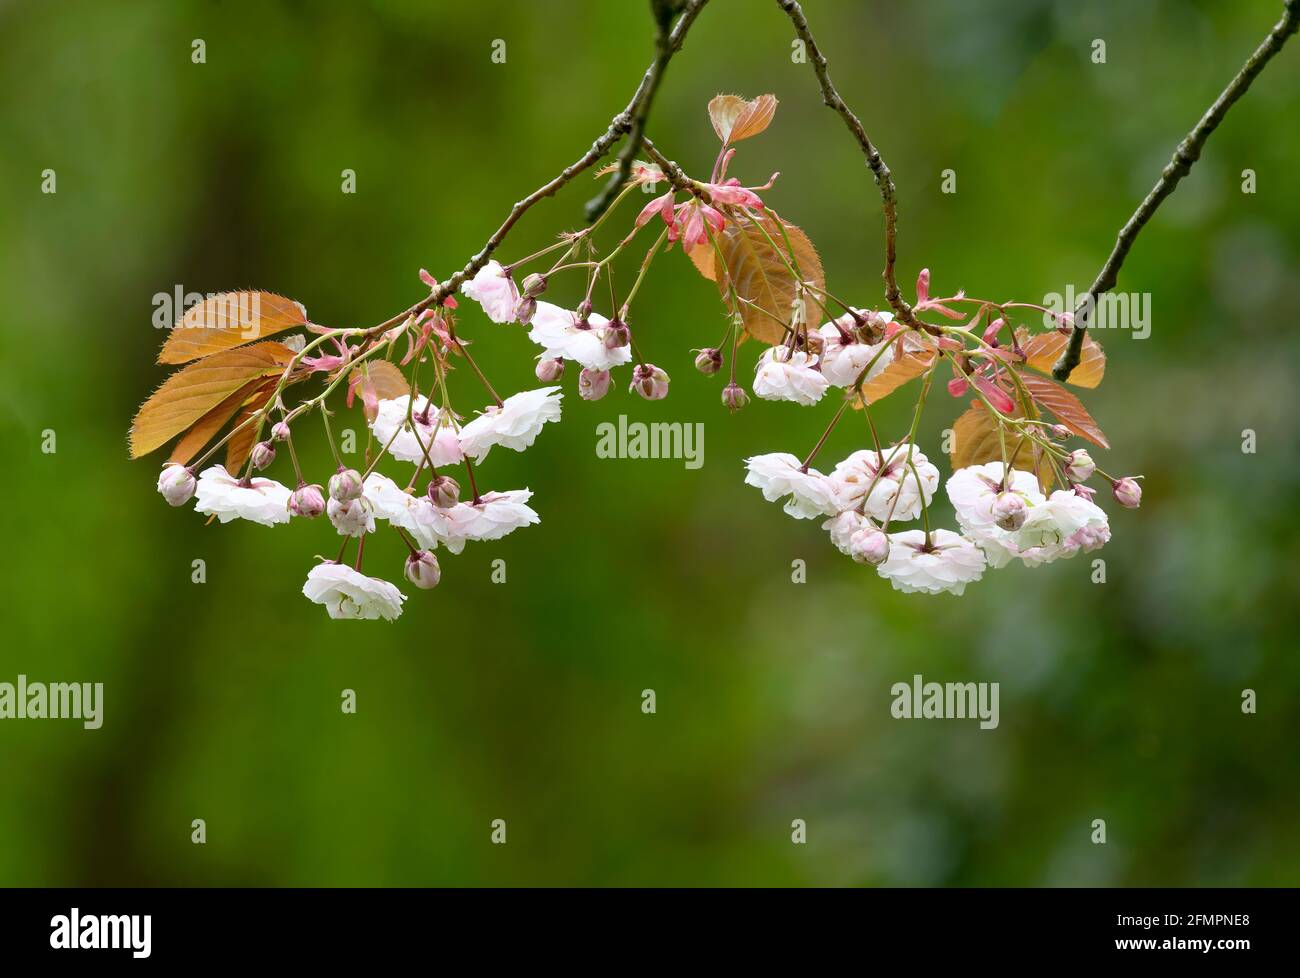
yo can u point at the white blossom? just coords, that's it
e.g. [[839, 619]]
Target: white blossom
[[974, 489], [556, 330], [492, 290], [1062, 526], [948, 563], [494, 515], [347, 593], [262, 501], [842, 363], [781, 474], [871, 481], [428, 524], [785, 376], [515, 424], [435, 430], [415, 514]]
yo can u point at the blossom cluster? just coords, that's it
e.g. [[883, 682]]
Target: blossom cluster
[[412, 431], [1003, 513], [585, 337]]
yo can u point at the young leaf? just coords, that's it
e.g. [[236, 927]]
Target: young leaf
[[760, 275], [375, 381], [975, 441], [1068, 409], [1044, 349], [911, 365], [228, 320], [384, 379], [191, 392], [735, 119], [202, 431], [703, 258]]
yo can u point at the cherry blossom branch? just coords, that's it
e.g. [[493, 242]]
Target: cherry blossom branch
[[879, 169], [667, 42], [1187, 153]]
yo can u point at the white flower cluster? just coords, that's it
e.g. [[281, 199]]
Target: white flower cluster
[[1015, 520], [409, 429], [592, 341], [803, 377], [869, 491]]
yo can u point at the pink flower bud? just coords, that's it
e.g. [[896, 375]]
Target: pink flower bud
[[549, 371], [422, 569], [650, 382], [991, 332], [534, 285], [177, 484], [345, 485], [1009, 511], [617, 335], [525, 309], [307, 501], [999, 398], [734, 397], [1127, 492], [958, 386], [280, 432], [923, 287], [263, 455], [1079, 467], [593, 384], [869, 546], [444, 491], [1061, 432], [708, 360]]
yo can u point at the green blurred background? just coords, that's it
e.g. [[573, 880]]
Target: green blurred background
[[522, 700]]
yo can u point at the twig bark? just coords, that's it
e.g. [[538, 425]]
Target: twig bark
[[879, 170], [1187, 153]]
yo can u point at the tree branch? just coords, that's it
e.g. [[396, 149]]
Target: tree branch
[[879, 170], [667, 43], [1187, 153]]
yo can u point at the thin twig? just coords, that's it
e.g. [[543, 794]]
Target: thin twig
[[1187, 153], [879, 170]]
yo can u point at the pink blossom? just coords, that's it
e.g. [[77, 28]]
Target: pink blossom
[[662, 206]]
